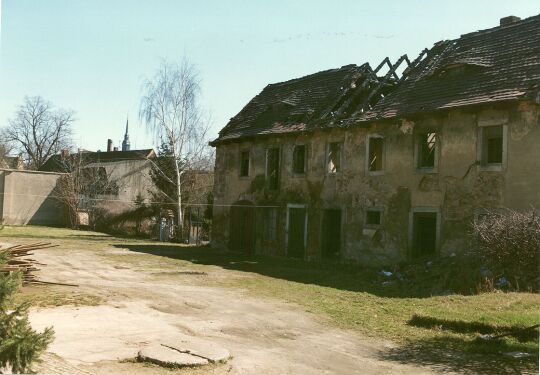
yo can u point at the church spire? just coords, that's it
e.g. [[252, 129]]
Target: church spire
[[125, 144]]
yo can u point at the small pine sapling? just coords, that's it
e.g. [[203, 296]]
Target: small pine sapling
[[20, 345]]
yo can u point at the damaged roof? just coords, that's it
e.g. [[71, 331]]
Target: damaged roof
[[291, 105], [497, 64], [502, 63]]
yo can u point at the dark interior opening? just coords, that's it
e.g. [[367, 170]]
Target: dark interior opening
[[373, 217], [492, 144], [299, 159], [272, 168], [244, 164], [331, 233], [426, 152], [376, 154], [242, 228], [424, 234], [296, 233]]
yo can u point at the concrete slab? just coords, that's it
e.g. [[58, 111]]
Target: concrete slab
[[167, 357]]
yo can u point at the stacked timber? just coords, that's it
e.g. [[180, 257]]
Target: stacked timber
[[16, 261]]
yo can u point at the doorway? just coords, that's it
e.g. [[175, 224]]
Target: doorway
[[242, 229], [296, 231], [331, 234], [424, 234]]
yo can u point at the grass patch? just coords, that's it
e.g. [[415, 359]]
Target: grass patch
[[45, 296], [445, 326], [33, 231], [431, 325]]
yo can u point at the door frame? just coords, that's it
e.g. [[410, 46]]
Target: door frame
[[341, 230], [295, 205], [424, 209], [243, 206]]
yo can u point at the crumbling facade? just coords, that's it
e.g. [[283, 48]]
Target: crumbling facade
[[353, 164]]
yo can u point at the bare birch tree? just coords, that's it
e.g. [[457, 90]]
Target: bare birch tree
[[38, 130], [170, 110]]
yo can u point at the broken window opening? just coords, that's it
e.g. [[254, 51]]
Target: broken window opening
[[373, 217], [492, 145], [299, 159], [427, 146], [244, 164], [334, 157], [376, 149], [272, 168]]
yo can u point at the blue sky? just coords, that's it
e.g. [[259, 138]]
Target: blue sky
[[91, 56]]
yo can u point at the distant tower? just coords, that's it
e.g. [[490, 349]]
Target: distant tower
[[125, 143]]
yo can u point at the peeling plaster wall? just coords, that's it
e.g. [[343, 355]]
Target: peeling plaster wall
[[458, 187]]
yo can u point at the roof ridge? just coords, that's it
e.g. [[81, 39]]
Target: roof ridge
[[344, 67], [500, 27]]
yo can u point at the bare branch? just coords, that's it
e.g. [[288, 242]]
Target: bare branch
[[38, 131], [170, 110]]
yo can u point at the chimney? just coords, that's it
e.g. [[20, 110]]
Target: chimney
[[505, 21], [115, 148], [109, 145]]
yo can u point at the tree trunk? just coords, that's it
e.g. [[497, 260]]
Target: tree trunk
[[179, 198]]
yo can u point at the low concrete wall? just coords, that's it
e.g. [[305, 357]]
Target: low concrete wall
[[28, 197]]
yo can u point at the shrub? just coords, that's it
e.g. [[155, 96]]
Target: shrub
[[20, 345], [509, 244]]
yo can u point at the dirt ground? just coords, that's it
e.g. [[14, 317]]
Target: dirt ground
[[144, 300]]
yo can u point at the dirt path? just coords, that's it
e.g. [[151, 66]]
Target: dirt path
[[151, 301]]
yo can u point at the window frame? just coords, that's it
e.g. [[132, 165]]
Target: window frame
[[267, 184], [438, 225], [481, 149], [295, 173], [242, 176], [368, 151], [378, 209], [418, 153], [328, 172]]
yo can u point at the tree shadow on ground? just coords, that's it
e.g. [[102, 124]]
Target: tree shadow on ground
[[329, 274], [456, 351], [419, 283], [453, 351], [455, 354], [459, 326]]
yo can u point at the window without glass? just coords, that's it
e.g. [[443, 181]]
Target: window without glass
[[492, 145], [244, 164], [376, 150], [334, 157], [373, 217], [299, 159], [272, 168], [427, 146]]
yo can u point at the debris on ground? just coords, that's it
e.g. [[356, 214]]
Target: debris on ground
[[184, 353], [518, 355], [16, 261]]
